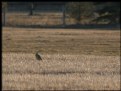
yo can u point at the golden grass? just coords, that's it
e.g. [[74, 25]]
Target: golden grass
[[64, 41], [37, 19], [21, 71], [73, 59]]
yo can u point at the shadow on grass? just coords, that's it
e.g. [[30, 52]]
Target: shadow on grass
[[72, 26], [101, 73], [61, 72], [80, 72]]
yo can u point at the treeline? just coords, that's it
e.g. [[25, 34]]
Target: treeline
[[95, 12], [92, 12]]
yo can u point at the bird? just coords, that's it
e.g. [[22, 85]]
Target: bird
[[38, 56]]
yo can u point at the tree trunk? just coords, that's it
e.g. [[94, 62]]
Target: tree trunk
[[31, 8], [4, 17], [63, 19]]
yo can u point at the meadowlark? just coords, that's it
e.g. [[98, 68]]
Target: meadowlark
[[38, 56]]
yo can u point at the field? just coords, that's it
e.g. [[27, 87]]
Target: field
[[46, 19], [73, 59]]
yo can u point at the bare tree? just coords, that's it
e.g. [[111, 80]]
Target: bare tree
[[31, 8], [4, 8]]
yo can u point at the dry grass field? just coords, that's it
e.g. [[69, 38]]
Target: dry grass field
[[46, 19], [73, 59]]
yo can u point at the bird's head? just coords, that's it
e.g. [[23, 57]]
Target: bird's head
[[38, 52]]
